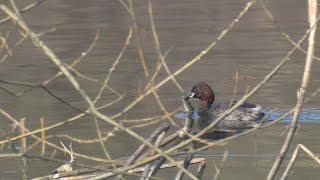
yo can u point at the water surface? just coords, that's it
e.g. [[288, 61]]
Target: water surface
[[252, 48]]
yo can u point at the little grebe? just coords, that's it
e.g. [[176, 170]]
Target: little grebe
[[246, 116]]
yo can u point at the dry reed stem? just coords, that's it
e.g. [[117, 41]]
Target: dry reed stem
[[254, 90], [277, 68], [173, 136], [261, 127], [43, 138], [294, 158], [47, 142], [46, 50], [10, 155], [22, 128], [313, 11], [23, 160]]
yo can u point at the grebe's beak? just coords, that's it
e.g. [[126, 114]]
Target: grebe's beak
[[190, 94]]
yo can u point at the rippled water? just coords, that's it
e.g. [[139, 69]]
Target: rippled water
[[185, 28]]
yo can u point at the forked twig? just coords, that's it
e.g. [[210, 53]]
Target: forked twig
[[294, 158], [68, 166]]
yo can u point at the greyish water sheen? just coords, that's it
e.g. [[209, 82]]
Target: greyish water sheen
[[252, 48]]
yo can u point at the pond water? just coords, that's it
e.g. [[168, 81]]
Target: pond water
[[185, 28]]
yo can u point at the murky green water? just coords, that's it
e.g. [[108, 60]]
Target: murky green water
[[252, 48]]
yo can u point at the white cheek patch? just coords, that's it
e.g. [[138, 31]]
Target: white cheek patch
[[191, 95], [257, 108]]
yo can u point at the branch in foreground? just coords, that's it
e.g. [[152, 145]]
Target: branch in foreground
[[313, 11], [38, 43]]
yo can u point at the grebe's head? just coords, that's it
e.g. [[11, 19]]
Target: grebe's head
[[202, 91]]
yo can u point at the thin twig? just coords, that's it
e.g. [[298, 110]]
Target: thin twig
[[72, 119], [106, 153], [144, 63], [23, 160], [158, 49], [115, 63], [299, 47], [78, 60], [294, 158], [313, 11], [25, 9], [200, 170], [28, 133], [43, 137]]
